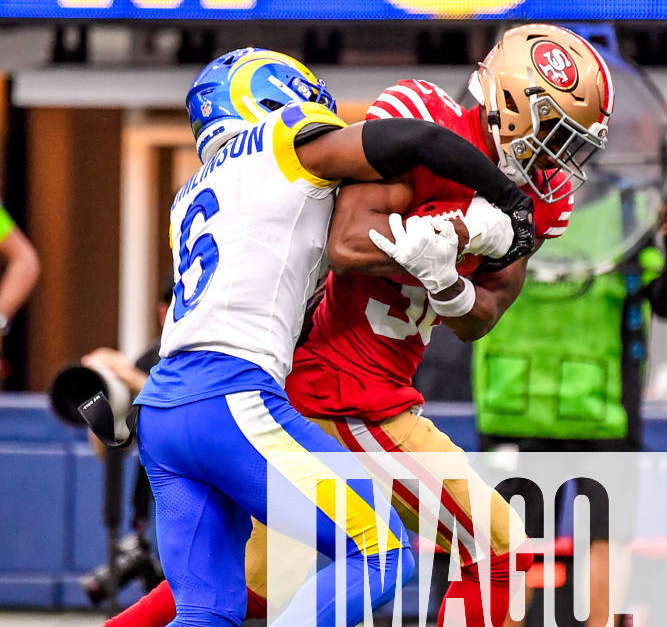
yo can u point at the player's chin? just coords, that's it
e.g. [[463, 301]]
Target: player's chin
[[543, 162]]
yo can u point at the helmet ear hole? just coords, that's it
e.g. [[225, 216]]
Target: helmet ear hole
[[271, 105], [510, 103]]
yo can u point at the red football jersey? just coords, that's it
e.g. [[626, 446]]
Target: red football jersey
[[369, 333]]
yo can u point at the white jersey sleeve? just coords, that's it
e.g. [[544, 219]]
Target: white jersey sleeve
[[248, 235]]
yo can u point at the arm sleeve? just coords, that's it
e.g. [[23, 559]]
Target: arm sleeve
[[394, 147], [6, 223], [657, 292]]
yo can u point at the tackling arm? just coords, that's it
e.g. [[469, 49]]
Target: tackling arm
[[386, 149]]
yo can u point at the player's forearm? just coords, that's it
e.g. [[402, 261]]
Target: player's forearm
[[348, 258], [483, 316], [494, 293], [18, 281], [351, 250], [357, 253], [359, 208]]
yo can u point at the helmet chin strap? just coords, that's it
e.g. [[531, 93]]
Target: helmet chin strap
[[505, 164]]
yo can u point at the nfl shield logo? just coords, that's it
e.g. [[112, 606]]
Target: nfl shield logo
[[206, 108]]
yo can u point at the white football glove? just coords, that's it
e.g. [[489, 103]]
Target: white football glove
[[427, 252], [490, 229]]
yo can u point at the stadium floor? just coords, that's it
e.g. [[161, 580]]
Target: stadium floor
[[50, 619]]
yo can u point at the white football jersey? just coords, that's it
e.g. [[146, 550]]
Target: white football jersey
[[248, 233]]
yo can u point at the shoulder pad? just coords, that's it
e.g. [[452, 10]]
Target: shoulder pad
[[299, 114]]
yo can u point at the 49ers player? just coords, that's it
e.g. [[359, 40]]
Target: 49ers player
[[545, 97]]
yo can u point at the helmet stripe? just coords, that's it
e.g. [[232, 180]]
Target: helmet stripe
[[608, 100]]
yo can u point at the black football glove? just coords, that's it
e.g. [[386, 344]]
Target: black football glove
[[520, 210]]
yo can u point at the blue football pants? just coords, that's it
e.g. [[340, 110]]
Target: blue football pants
[[207, 464]]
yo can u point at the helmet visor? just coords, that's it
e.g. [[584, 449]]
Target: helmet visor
[[313, 92]]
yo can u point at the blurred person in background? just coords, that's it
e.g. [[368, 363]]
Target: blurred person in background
[[109, 371], [132, 374], [20, 273]]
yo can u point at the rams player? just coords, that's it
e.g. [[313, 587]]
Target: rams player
[[249, 232]]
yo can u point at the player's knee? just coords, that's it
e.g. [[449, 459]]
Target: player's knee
[[202, 617]]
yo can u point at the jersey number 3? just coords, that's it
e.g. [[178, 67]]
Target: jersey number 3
[[420, 317], [204, 248]]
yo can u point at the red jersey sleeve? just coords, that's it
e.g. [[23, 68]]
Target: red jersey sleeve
[[552, 219]]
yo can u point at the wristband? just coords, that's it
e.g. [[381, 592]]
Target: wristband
[[458, 306]]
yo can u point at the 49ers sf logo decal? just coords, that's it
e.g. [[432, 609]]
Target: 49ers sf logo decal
[[555, 65]]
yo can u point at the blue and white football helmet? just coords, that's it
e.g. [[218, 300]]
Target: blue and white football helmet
[[239, 88]]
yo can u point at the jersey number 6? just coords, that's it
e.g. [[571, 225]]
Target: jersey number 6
[[204, 248]]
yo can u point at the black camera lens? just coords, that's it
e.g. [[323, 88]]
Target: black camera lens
[[71, 387]]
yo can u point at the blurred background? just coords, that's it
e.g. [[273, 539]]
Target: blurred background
[[94, 143]]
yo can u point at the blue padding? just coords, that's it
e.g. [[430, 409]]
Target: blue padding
[[73, 596], [32, 508], [29, 590], [35, 424], [460, 431]]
